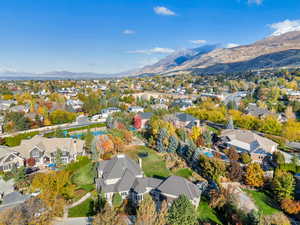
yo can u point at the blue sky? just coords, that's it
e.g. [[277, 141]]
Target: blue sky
[[108, 36]]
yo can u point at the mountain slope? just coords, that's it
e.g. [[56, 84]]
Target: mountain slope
[[274, 51]]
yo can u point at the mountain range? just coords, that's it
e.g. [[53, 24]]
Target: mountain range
[[272, 52]]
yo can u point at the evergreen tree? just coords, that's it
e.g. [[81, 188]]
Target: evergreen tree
[[161, 140], [230, 124], [110, 122], [58, 159], [207, 138], [182, 212], [173, 144]]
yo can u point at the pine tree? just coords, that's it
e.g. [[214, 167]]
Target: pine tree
[[161, 140], [109, 122], [173, 144], [182, 212], [230, 124]]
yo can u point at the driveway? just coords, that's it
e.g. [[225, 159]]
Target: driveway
[[74, 221], [6, 187]]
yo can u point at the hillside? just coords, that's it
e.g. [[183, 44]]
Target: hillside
[[275, 51]]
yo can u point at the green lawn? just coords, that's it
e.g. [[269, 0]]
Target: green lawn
[[266, 205], [185, 172], [153, 164], [83, 210], [84, 176], [207, 214]]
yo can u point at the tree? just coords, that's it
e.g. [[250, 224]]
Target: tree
[[182, 212], [195, 133], [254, 175], [173, 144], [278, 158], [245, 157], [20, 174], [270, 125], [60, 116], [283, 185], [235, 171], [127, 136], [212, 168], [230, 124], [146, 213], [233, 155], [117, 200], [162, 140], [110, 122], [58, 157], [207, 138], [108, 216], [89, 137], [162, 216], [290, 206]]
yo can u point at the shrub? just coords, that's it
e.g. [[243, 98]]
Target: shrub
[[117, 200]]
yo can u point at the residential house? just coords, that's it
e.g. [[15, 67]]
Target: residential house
[[10, 159], [124, 176], [74, 105], [184, 120], [256, 111], [44, 150], [135, 109], [159, 106], [108, 111], [142, 119], [6, 104], [20, 108], [247, 141]]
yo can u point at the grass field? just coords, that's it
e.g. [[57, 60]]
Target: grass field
[[84, 176], [83, 210], [185, 172], [153, 164], [207, 214], [266, 205]]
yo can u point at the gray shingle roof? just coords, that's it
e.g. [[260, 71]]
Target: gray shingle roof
[[176, 186], [184, 117], [116, 167]]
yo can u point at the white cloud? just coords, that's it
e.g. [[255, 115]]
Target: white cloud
[[232, 45], [198, 42], [257, 2], [128, 31], [161, 10], [156, 50], [285, 26]]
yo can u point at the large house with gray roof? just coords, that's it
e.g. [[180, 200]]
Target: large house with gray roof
[[10, 159], [125, 176], [247, 141]]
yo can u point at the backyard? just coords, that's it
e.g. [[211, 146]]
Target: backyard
[[265, 204], [153, 164], [206, 213]]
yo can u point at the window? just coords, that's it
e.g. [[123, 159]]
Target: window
[[124, 194]]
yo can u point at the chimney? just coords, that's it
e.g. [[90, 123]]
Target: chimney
[[140, 163]]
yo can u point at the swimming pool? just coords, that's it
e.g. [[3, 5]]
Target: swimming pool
[[95, 133], [209, 154]]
